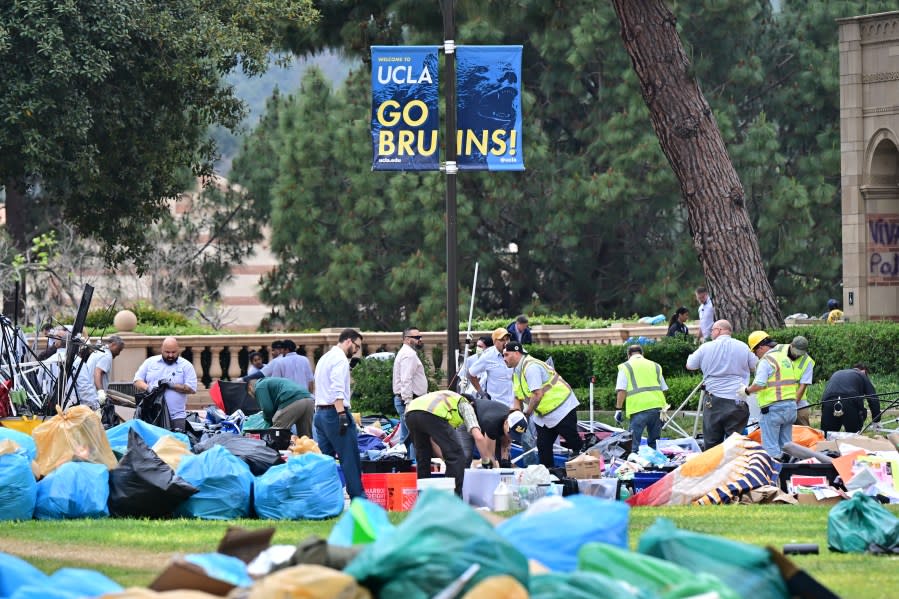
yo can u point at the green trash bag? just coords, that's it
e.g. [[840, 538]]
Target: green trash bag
[[584, 585], [854, 526], [667, 580], [746, 569], [432, 547]]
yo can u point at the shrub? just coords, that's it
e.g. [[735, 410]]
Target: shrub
[[373, 385]]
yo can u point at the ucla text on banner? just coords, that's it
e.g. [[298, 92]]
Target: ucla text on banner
[[488, 88], [404, 113]]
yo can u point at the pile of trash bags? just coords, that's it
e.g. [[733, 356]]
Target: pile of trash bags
[[560, 547], [72, 468]]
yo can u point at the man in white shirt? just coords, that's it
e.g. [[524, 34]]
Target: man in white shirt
[[175, 374], [333, 426], [409, 380], [99, 365], [706, 313], [498, 374], [725, 364]]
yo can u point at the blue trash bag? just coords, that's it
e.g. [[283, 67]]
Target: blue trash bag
[[222, 567], [306, 487], [746, 569], [365, 522], [18, 489], [74, 490], [21, 439], [16, 572], [436, 543], [68, 583], [554, 538], [225, 485], [118, 435]]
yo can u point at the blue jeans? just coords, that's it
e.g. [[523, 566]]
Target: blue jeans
[[346, 447], [777, 427], [649, 420], [404, 430]]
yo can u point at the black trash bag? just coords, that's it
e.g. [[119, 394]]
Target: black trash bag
[[142, 485], [257, 455], [235, 397], [109, 417], [151, 407]]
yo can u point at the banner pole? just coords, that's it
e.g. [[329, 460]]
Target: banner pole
[[452, 291]]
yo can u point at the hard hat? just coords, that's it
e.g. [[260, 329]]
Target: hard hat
[[755, 338], [832, 303]]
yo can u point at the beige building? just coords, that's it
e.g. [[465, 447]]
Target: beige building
[[869, 137]]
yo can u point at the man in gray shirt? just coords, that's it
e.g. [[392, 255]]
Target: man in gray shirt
[[726, 364]]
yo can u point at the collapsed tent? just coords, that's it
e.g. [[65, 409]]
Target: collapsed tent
[[718, 475]]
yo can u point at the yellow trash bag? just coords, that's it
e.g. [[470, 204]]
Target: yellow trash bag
[[171, 450], [308, 581], [74, 434], [301, 445]]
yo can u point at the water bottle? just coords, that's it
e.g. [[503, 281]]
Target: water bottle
[[501, 498]]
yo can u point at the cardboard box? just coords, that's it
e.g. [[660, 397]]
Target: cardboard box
[[584, 466], [184, 575], [809, 499]]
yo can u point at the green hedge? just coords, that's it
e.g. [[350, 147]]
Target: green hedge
[[373, 386]]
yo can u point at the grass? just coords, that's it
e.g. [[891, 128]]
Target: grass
[[132, 552]]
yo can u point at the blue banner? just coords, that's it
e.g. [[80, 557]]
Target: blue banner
[[404, 109], [488, 88]]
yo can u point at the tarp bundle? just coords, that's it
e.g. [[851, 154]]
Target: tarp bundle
[[719, 475]]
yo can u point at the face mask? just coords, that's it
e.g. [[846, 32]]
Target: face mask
[[478, 350]]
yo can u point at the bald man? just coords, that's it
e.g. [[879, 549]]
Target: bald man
[[175, 374]]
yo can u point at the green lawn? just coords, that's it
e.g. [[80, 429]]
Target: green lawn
[[133, 551]]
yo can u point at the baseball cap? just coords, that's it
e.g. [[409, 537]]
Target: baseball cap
[[800, 345], [518, 423], [500, 333], [515, 346]]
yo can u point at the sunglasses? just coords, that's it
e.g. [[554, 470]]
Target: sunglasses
[[417, 337]]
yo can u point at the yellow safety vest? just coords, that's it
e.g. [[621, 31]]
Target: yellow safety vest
[[783, 381], [644, 385], [555, 389], [800, 365], [444, 404]]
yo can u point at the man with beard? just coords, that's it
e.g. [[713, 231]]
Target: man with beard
[[172, 373], [409, 380], [333, 425]]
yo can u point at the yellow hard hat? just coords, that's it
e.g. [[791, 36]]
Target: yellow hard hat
[[756, 337]]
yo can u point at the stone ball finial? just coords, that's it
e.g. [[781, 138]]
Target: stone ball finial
[[125, 321]]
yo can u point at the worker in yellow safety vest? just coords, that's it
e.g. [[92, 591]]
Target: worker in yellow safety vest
[[641, 387], [546, 398], [433, 418], [776, 381]]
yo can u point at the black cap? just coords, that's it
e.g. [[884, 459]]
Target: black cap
[[515, 346]]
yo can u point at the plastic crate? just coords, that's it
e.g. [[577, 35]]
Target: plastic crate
[[402, 491], [276, 438], [646, 479], [789, 470], [375, 485]]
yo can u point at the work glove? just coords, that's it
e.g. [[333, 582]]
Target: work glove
[[742, 393], [619, 417], [101, 396], [343, 423], [164, 384], [486, 463]]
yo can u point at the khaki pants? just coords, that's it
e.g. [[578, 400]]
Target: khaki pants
[[802, 415], [300, 413]]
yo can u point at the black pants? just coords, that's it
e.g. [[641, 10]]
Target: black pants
[[852, 419], [721, 417], [425, 427], [567, 429]]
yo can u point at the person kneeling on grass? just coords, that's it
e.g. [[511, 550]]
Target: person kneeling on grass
[[433, 418]]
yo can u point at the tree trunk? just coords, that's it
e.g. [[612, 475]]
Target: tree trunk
[[689, 136], [15, 226]]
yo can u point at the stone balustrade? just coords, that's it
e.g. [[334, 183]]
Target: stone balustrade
[[226, 356]]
